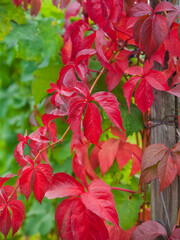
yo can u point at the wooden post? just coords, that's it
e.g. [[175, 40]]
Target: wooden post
[[164, 104]]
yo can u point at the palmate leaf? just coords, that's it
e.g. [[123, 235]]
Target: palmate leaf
[[17, 210], [82, 208], [160, 162]]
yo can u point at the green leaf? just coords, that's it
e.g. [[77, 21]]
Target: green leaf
[[132, 122], [127, 209], [35, 40], [40, 218], [8, 13], [43, 78]]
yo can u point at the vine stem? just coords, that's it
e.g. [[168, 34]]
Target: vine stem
[[35, 159], [122, 189]]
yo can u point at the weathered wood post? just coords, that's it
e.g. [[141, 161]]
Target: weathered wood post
[[164, 105]]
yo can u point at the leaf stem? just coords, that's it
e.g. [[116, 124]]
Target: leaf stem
[[122, 189]]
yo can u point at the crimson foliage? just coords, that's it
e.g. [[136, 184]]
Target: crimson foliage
[[114, 38]]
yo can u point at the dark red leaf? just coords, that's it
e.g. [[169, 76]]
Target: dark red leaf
[[144, 96], [35, 7], [110, 105], [64, 185], [152, 155], [175, 234], [149, 230], [140, 9], [99, 200], [166, 171], [147, 37], [92, 123], [164, 6], [159, 28]]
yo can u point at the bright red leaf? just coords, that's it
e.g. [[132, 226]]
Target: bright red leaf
[[40, 177]]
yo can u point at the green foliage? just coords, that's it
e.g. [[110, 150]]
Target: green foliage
[[127, 207], [9, 13], [40, 218], [43, 78]]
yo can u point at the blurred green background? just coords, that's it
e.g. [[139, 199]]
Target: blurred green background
[[30, 58]]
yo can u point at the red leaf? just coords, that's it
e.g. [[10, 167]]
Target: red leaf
[[75, 222], [64, 185], [79, 169], [144, 96], [149, 230], [5, 220], [72, 10], [159, 28], [107, 154], [81, 164], [35, 7], [87, 225], [140, 9], [124, 154], [66, 51], [17, 2], [175, 90], [99, 41], [92, 123], [110, 105], [82, 88], [135, 70], [147, 37], [25, 181], [113, 77], [120, 234], [75, 32], [76, 108], [6, 178], [164, 6], [18, 214], [98, 12], [152, 155], [166, 171], [40, 177], [157, 80], [175, 234], [99, 200], [42, 180], [128, 89], [63, 215]]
